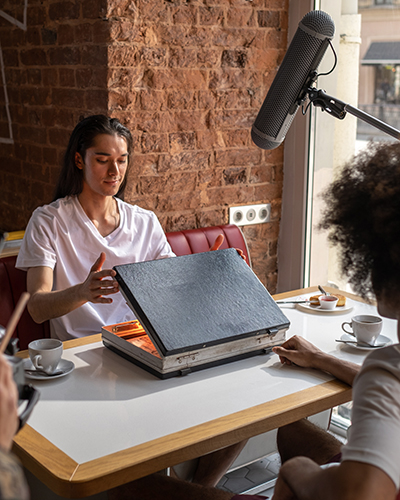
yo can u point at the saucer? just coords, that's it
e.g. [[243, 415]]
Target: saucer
[[64, 365], [348, 339]]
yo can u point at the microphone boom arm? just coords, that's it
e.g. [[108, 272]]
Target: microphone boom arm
[[338, 109]]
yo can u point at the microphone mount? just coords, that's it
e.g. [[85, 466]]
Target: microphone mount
[[339, 109]]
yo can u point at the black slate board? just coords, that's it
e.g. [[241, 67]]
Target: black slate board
[[196, 301]]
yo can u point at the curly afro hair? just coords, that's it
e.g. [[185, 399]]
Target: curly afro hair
[[363, 218]]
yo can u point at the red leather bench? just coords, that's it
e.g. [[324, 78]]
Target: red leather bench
[[13, 281]]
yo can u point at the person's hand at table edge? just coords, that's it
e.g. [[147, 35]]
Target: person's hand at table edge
[[218, 242], [299, 351]]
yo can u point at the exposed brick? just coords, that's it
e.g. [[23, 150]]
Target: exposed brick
[[34, 76], [208, 178], [186, 160], [237, 58], [122, 100], [66, 34], [231, 157], [182, 58], [91, 77], [179, 222], [124, 31], [230, 195], [275, 39], [38, 171], [94, 55], [67, 77], [208, 57], [154, 143], [268, 192], [181, 99], [187, 78], [182, 141], [277, 4], [162, 79], [83, 33], [210, 139], [64, 55], [145, 164], [68, 98], [37, 15], [35, 153], [49, 36], [213, 217], [268, 19], [233, 99], [234, 79], [151, 56], [233, 176], [260, 174], [179, 181], [49, 155], [178, 201], [151, 100], [50, 77], [64, 10], [58, 137], [183, 120], [36, 96], [155, 10], [125, 78], [184, 14], [37, 135], [232, 119], [123, 55], [211, 16], [101, 31], [93, 9], [238, 17], [33, 57], [96, 100], [236, 138], [33, 37]]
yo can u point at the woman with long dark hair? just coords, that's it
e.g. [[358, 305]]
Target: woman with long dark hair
[[71, 245]]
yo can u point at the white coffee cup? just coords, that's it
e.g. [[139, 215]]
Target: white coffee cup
[[365, 328], [45, 354]]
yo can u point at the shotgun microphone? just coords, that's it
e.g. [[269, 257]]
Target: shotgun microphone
[[295, 75]]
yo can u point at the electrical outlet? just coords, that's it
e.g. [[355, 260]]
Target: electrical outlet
[[250, 214]]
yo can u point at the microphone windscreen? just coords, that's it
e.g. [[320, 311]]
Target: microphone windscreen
[[303, 56]]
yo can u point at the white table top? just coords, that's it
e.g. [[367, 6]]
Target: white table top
[[108, 404]]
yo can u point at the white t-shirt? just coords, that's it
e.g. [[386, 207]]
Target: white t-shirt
[[61, 236], [374, 436]]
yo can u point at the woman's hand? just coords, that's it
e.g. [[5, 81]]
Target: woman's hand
[[98, 283]]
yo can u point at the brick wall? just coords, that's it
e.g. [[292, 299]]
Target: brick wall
[[187, 77]]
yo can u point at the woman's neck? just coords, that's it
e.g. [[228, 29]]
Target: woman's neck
[[102, 211]]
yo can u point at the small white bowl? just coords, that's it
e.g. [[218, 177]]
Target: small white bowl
[[328, 301]]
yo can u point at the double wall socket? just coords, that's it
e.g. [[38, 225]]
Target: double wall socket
[[250, 214]]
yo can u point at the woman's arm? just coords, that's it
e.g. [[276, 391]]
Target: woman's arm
[[300, 352], [46, 304]]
